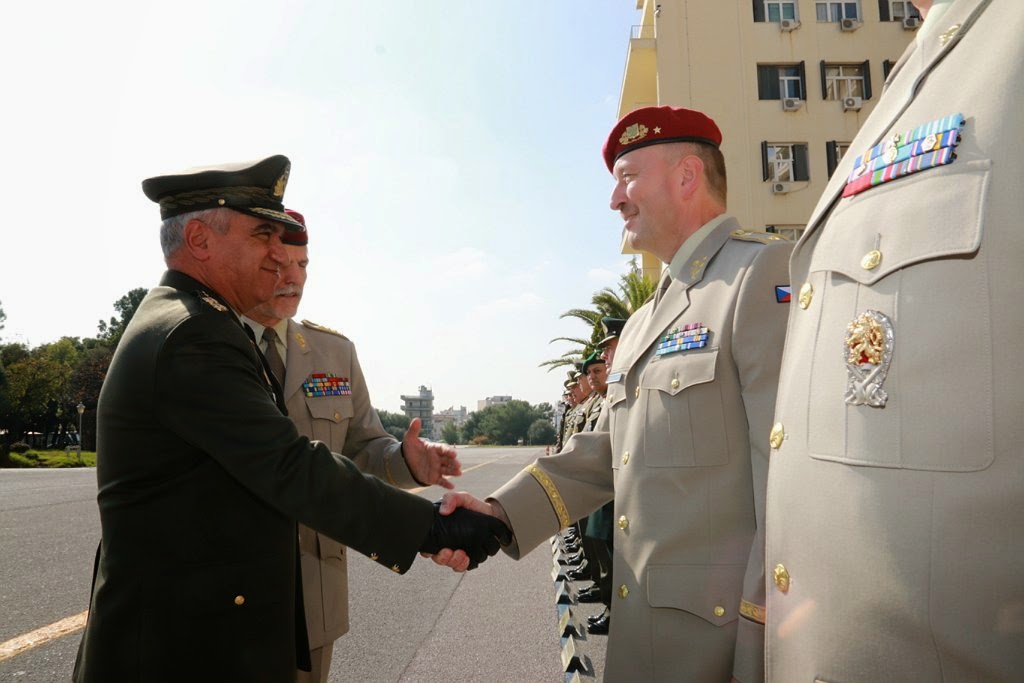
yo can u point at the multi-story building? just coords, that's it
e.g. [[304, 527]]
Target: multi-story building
[[492, 401], [789, 82], [421, 406]]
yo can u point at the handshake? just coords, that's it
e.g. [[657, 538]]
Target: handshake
[[476, 534]]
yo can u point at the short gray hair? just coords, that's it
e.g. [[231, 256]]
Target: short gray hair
[[172, 230]]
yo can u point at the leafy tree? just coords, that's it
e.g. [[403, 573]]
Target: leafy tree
[[541, 431], [503, 424], [634, 290], [450, 432], [395, 424], [35, 394], [3, 316], [126, 306]]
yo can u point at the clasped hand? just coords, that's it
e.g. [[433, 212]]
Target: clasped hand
[[464, 533]]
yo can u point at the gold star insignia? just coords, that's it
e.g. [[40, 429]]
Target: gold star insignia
[[657, 129]]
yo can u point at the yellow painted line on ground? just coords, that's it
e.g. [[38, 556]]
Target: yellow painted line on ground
[[456, 479], [41, 636]]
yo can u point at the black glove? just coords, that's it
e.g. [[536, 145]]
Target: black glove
[[479, 535]]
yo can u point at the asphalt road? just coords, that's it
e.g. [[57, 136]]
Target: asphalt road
[[496, 623]]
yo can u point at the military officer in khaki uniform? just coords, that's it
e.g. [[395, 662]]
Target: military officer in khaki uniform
[[691, 390], [895, 517], [328, 400]]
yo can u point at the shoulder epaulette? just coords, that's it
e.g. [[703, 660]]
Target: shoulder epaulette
[[211, 302], [321, 328], [756, 236]]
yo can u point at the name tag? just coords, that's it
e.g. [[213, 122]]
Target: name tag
[[615, 377]]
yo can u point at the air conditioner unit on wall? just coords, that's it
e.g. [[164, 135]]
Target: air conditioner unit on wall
[[849, 24], [781, 188], [791, 103], [789, 24], [852, 103], [911, 23]]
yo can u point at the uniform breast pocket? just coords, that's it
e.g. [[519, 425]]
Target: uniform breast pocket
[[901, 374], [331, 415], [684, 425]]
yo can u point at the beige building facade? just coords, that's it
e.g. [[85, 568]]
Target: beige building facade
[[789, 82]]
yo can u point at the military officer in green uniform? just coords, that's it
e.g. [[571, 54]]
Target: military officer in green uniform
[[690, 392], [201, 475]]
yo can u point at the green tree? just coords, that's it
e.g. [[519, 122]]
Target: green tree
[[450, 432], [125, 306], [35, 394], [541, 432], [634, 290], [395, 424], [3, 316], [504, 424]]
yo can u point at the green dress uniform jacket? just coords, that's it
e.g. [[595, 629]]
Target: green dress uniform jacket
[[685, 460], [895, 527], [347, 423], [201, 481]]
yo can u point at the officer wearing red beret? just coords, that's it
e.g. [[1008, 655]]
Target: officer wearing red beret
[[691, 389]]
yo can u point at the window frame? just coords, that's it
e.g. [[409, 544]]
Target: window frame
[[770, 81], [864, 79], [842, 5], [795, 165]]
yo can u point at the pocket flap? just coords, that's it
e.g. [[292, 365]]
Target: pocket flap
[[675, 372], [333, 408], [867, 236], [712, 593]]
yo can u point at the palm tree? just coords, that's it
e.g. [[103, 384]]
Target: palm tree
[[634, 290]]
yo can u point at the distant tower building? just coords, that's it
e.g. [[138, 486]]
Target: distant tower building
[[492, 401], [421, 406]]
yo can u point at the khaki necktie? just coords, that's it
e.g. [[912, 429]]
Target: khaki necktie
[[272, 355], [666, 280]]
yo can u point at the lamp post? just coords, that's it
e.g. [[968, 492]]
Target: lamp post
[[81, 409]]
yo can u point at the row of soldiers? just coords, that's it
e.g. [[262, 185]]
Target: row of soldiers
[[586, 388]]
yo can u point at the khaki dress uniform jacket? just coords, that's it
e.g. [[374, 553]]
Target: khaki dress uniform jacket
[[201, 480], [685, 460], [895, 532], [347, 424]]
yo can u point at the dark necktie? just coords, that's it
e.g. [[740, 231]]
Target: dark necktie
[[272, 355]]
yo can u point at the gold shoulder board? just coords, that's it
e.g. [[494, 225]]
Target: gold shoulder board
[[755, 236], [321, 328]]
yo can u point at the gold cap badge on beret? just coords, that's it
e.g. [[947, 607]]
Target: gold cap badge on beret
[[252, 187]]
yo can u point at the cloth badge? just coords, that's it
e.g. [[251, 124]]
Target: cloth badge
[[783, 294], [926, 146], [868, 349], [326, 384], [691, 336]]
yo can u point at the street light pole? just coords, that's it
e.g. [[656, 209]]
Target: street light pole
[[81, 409]]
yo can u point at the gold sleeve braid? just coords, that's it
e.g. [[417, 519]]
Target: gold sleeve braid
[[752, 611], [554, 496]]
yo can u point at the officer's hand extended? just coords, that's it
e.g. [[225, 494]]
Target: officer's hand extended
[[477, 534]]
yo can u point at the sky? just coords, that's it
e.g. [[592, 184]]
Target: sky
[[446, 156]]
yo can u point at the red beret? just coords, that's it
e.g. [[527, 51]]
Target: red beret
[[298, 239], [657, 125]]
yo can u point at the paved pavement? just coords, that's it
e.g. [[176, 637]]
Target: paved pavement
[[496, 623]]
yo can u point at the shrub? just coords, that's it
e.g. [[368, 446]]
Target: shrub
[[19, 447], [480, 440]]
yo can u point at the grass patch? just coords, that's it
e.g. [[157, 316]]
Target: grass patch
[[54, 458]]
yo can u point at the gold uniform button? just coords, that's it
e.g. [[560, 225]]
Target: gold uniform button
[[374, 556], [871, 260], [239, 599], [636, 392], [625, 457], [623, 523], [719, 611], [675, 382], [777, 436], [781, 577], [806, 294], [337, 416], [623, 591]]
